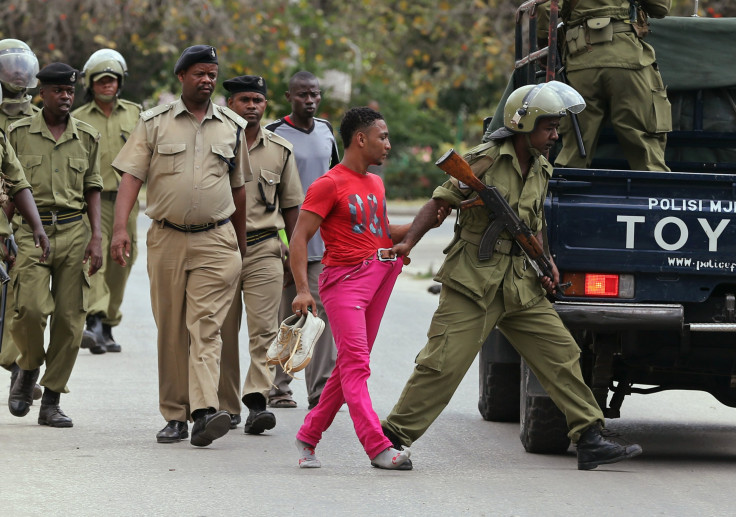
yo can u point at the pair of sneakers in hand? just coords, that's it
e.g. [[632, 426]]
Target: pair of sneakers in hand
[[293, 346]]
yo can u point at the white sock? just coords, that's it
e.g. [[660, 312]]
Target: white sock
[[307, 458], [391, 458]]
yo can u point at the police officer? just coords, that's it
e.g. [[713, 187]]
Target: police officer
[[103, 75], [194, 159], [18, 69], [60, 156], [272, 205], [503, 291], [615, 71]]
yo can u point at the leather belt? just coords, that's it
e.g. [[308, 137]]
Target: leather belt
[[257, 236], [619, 26], [111, 195], [193, 228], [58, 217]]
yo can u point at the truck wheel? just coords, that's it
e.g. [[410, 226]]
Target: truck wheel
[[543, 426], [498, 399], [498, 389]]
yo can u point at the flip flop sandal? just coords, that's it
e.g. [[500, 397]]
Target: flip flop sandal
[[282, 402]]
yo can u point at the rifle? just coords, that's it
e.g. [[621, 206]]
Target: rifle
[[503, 217]]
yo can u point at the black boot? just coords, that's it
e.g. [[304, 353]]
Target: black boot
[[14, 369], [110, 344], [598, 446], [21, 392], [209, 425], [92, 337], [50, 413], [259, 419]]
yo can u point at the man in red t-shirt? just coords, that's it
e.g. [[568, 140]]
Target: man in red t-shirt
[[348, 206]]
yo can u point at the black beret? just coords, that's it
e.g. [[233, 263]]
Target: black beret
[[58, 73], [246, 83], [196, 54]]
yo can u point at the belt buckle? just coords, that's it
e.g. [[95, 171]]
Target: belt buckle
[[54, 216], [384, 259]]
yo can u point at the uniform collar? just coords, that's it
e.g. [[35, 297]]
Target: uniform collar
[[38, 125], [260, 139], [179, 107], [539, 164], [96, 107]]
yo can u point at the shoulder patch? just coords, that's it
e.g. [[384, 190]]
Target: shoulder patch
[[155, 111], [19, 123], [130, 104], [232, 115]]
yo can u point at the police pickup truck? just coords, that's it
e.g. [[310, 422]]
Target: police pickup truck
[[651, 256]]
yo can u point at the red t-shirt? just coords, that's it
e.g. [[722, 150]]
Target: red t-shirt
[[353, 209]]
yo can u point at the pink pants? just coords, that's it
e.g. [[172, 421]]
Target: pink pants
[[355, 299]]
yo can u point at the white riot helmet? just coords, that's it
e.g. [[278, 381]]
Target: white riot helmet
[[104, 62], [18, 65]]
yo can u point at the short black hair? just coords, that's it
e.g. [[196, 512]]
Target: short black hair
[[302, 76], [357, 119]]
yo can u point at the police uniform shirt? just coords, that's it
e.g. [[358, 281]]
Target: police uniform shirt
[[59, 171], [276, 182], [114, 131], [13, 177], [8, 115], [185, 162]]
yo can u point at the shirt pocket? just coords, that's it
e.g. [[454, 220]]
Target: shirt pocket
[[224, 159], [31, 165], [77, 168], [171, 158], [267, 185]]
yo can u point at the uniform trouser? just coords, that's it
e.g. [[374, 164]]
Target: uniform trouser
[[261, 282], [323, 360], [193, 280], [633, 100], [9, 353], [355, 299], [65, 302], [457, 332], [108, 284]]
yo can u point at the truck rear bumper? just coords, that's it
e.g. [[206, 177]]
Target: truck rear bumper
[[610, 317]]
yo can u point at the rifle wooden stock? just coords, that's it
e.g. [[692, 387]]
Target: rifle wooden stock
[[503, 216]]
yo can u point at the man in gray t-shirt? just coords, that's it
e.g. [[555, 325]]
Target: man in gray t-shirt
[[315, 150]]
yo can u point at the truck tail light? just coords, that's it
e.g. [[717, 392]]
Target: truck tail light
[[600, 285]]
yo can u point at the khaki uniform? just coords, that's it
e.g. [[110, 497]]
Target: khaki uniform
[[60, 172], [503, 291], [277, 186], [9, 113], [108, 284], [616, 73], [193, 274]]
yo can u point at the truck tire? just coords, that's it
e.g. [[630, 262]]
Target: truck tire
[[498, 387], [543, 426], [498, 399]]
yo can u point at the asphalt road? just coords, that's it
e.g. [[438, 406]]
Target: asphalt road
[[110, 464]]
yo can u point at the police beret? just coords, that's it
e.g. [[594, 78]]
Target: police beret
[[58, 73], [246, 83], [196, 54]]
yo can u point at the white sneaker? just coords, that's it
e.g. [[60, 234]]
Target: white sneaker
[[282, 345], [301, 354]]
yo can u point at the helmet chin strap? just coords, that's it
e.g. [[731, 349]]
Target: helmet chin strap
[[536, 153], [105, 98]]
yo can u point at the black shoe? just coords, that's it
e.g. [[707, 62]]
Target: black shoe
[[210, 427], [259, 420], [92, 337], [14, 369], [395, 441], [598, 446], [174, 431], [234, 421], [313, 404], [110, 344], [53, 416], [21, 392]]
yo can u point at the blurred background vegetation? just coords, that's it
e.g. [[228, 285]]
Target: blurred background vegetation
[[436, 68]]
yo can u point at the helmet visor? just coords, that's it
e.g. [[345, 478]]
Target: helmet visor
[[18, 68], [555, 97]]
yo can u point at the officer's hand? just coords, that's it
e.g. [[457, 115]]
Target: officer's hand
[[42, 241], [93, 254], [402, 249], [120, 247], [303, 302], [442, 212]]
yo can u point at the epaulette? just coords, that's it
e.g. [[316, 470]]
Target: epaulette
[[277, 139], [131, 104], [87, 128], [155, 111], [19, 123], [231, 115]]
